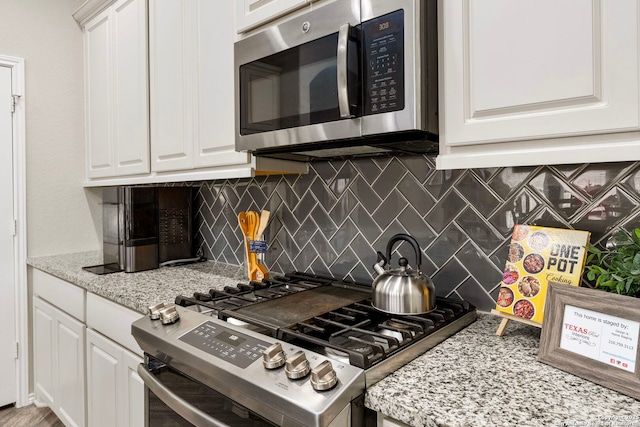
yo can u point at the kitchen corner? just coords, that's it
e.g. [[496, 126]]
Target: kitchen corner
[[473, 378]]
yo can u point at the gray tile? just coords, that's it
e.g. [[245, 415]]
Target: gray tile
[[473, 190], [485, 174], [448, 243], [319, 267], [441, 181], [445, 211], [595, 179], [416, 194], [480, 266], [517, 210], [479, 231], [289, 220], [510, 180], [325, 170], [418, 166], [287, 194], [322, 194], [365, 194], [344, 236], [361, 275], [449, 277], [305, 206], [499, 257], [345, 176], [367, 226], [632, 183], [389, 209], [367, 168], [608, 211], [323, 222], [305, 257], [472, 292], [389, 178], [364, 250], [274, 202], [346, 262], [416, 226], [323, 248], [307, 229], [568, 170], [547, 218], [558, 194], [303, 183], [394, 228], [343, 207]]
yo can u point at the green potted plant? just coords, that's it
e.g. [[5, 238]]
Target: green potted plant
[[616, 268]]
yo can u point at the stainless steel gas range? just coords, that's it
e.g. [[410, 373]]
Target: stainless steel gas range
[[295, 350]]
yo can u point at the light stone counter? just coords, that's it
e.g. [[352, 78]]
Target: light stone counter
[[476, 378], [140, 290]]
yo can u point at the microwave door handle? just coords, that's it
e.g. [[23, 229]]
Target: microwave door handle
[[343, 85], [180, 406]]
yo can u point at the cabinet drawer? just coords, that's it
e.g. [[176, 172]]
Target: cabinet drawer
[[113, 321], [64, 295]]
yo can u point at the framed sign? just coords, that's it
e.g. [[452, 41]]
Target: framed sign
[[593, 334]]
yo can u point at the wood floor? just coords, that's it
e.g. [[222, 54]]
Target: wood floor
[[28, 416]]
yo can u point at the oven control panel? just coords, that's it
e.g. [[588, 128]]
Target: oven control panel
[[227, 344]]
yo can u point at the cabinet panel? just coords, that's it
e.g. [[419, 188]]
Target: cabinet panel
[[215, 139], [131, 87], [171, 122], [102, 381], [252, 13], [44, 357], [115, 395], [98, 96], [70, 369], [135, 390], [505, 79]]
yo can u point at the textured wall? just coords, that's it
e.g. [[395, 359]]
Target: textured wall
[[62, 217], [336, 217]]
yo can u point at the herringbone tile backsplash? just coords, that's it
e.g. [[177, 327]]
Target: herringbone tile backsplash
[[333, 219]]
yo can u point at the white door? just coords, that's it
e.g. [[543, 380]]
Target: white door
[[7, 285]]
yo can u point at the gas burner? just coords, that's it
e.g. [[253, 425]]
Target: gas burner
[[393, 323], [354, 342]]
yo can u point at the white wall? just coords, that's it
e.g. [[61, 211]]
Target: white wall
[[62, 216]]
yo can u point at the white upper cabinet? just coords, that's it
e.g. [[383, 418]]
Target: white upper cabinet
[[534, 69], [252, 13], [192, 95], [116, 91]]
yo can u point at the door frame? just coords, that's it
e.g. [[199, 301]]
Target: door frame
[[20, 240]]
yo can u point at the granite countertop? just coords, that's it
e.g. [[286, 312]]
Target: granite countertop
[[476, 378], [140, 290]]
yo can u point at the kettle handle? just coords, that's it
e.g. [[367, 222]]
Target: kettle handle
[[406, 238]]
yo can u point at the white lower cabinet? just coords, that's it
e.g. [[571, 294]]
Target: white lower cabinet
[[59, 362], [85, 359], [115, 392], [384, 421]]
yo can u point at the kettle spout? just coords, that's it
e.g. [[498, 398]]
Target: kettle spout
[[379, 265]]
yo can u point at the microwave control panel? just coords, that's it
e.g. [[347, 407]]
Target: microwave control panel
[[383, 43]]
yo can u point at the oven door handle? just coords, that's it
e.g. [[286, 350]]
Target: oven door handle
[[187, 411], [343, 71]]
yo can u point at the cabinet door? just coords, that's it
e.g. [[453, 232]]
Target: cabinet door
[[70, 392], [103, 388], [251, 13], [134, 409], [98, 95], [171, 84], [214, 116], [130, 109], [43, 354], [537, 69], [115, 392]]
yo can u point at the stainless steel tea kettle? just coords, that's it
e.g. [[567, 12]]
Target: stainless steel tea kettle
[[404, 290]]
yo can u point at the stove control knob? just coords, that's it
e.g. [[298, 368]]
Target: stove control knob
[[297, 366], [169, 315], [154, 311], [273, 357], [323, 377]]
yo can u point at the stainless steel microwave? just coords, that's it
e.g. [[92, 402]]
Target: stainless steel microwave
[[349, 77]]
